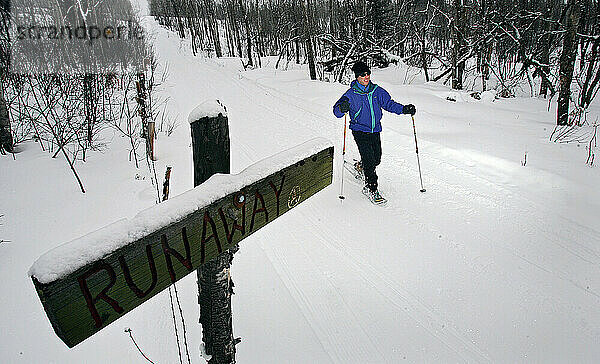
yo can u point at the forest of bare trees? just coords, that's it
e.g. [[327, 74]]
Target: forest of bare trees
[[548, 47], [542, 48], [65, 111]]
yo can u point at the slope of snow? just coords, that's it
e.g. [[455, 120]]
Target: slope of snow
[[496, 262]]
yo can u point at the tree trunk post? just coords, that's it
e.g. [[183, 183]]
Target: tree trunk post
[[210, 146], [89, 95], [147, 122], [458, 64], [308, 41], [546, 41], [567, 62], [211, 154], [151, 137], [6, 140]]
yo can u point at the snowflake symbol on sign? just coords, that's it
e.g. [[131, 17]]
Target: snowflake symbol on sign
[[294, 197]]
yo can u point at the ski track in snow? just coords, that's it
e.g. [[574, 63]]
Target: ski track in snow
[[585, 252], [321, 319], [299, 277], [401, 299], [500, 197], [282, 110], [401, 152], [324, 308], [316, 303], [582, 252]]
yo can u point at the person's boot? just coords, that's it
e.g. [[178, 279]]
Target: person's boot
[[373, 195]]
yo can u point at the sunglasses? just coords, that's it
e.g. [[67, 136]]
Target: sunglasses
[[365, 74]]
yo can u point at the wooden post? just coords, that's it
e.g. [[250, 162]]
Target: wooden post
[[165, 195], [211, 154], [210, 144], [151, 137], [147, 121]]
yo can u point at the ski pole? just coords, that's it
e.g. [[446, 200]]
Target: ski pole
[[417, 150], [341, 196]]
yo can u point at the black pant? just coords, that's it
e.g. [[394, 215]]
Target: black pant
[[369, 147]]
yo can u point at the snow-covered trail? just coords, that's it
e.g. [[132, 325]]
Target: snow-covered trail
[[323, 302], [512, 229], [473, 270], [494, 263]]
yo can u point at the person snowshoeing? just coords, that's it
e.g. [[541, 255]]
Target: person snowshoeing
[[364, 102]]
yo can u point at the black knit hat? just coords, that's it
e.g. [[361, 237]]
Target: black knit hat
[[359, 68]]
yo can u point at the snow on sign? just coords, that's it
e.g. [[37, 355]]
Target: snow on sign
[[90, 282]]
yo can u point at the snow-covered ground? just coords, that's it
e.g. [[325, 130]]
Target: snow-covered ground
[[496, 262]]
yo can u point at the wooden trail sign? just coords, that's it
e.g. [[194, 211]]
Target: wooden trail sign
[[87, 298]]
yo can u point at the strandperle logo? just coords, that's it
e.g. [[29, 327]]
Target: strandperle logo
[[75, 36], [82, 32]]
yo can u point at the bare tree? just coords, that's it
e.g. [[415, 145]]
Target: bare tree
[[6, 139], [567, 60], [308, 26], [458, 27]]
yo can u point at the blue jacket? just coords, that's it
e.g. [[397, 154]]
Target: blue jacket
[[365, 106]]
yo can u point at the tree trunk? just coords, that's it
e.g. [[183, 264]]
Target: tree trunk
[[592, 77], [545, 56], [248, 37], [458, 65], [258, 42], [332, 27], [545, 59], [6, 139], [215, 288], [424, 58], [180, 26], [217, 37], [211, 155], [213, 25], [229, 34], [89, 99], [483, 60], [567, 61], [309, 44], [311, 59], [236, 30]]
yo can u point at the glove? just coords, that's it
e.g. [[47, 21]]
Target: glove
[[344, 105], [409, 109]]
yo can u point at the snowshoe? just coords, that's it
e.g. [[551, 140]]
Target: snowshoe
[[359, 168], [356, 170], [374, 196]]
